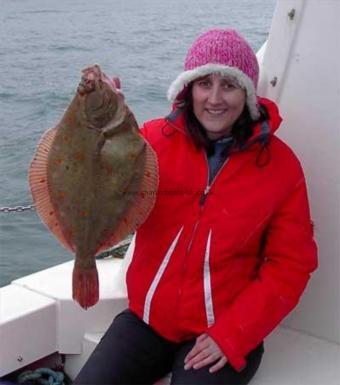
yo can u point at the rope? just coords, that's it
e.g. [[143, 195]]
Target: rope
[[117, 251], [42, 376]]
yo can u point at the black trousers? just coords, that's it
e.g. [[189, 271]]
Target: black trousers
[[130, 352]]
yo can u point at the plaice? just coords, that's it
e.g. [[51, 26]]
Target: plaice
[[93, 178]]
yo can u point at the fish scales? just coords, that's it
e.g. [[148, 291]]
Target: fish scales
[[92, 184], [88, 176]]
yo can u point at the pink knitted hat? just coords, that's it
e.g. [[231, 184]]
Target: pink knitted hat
[[221, 51]]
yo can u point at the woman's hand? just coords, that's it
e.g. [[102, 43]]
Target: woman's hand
[[205, 352]]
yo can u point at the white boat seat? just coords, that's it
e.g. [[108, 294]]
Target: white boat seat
[[290, 357]]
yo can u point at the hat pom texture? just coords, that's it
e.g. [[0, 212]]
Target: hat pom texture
[[221, 51]]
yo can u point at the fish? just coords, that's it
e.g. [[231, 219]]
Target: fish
[[93, 177]]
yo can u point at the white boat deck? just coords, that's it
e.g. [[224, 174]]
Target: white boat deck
[[39, 317]]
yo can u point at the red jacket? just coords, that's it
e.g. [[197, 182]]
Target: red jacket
[[232, 261]]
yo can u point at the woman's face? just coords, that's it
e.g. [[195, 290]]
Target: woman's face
[[218, 101]]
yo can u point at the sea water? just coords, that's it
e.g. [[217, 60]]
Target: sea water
[[43, 46]]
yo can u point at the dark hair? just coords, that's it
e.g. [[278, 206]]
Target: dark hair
[[242, 129]]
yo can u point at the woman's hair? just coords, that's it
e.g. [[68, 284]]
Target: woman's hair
[[242, 129]]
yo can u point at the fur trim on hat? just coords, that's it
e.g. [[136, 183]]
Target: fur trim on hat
[[186, 77]]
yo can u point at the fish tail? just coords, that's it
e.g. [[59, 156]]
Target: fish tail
[[85, 286]]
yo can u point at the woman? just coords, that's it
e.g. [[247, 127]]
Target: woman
[[228, 249]]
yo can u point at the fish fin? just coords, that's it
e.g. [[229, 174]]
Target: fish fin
[[38, 182], [142, 205], [85, 286]]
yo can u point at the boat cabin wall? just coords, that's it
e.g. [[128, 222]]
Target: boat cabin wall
[[300, 71]]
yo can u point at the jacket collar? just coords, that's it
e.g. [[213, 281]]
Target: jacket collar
[[262, 131]]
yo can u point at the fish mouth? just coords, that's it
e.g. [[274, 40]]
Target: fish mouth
[[92, 78], [85, 86]]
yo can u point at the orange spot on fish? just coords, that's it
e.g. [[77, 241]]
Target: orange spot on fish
[[79, 156], [148, 173], [66, 138], [51, 212], [42, 180], [61, 195], [83, 213], [58, 162]]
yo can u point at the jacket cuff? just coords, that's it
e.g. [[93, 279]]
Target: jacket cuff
[[235, 359]]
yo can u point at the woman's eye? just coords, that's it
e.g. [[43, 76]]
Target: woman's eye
[[228, 86], [204, 83]]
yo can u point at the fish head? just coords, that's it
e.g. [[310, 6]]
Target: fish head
[[101, 97]]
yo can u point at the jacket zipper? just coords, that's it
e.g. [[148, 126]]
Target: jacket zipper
[[203, 198], [201, 204], [208, 186]]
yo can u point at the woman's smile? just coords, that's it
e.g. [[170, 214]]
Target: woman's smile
[[216, 112], [218, 102]]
